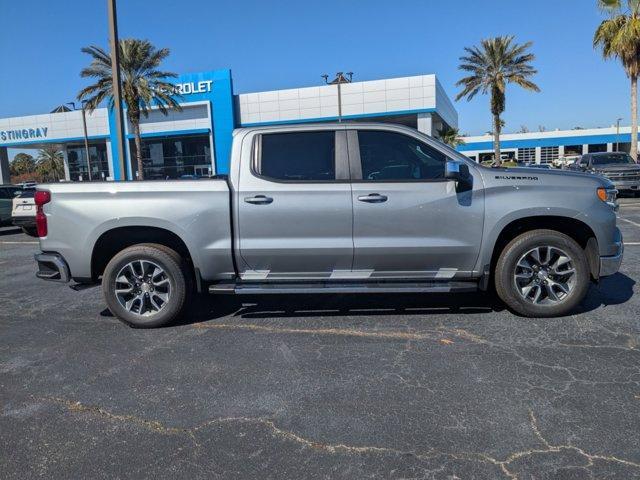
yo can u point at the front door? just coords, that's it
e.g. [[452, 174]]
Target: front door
[[294, 207], [409, 221]]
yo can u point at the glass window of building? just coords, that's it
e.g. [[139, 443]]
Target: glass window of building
[[597, 147], [173, 157], [79, 167], [622, 147], [549, 154], [571, 150], [527, 154]]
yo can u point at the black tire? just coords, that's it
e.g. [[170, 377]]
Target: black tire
[[505, 282], [31, 231], [175, 270]]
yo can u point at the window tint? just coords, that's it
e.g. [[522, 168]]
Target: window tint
[[8, 192], [299, 156], [612, 158], [31, 193], [392, 156]]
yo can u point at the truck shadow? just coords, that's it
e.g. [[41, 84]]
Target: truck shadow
[[613, 290], [9, 231]]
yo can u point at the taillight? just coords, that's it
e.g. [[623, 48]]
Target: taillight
[[41, 198]]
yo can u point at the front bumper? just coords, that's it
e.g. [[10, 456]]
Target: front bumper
[[53, 267], [627, 185], [611, 264]]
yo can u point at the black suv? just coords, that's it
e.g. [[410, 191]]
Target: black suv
[[618, 167]]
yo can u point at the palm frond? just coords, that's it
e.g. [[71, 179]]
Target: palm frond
[[493, 64]]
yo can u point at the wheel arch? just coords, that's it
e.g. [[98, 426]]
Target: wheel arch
[[576, 229], [114, 240]]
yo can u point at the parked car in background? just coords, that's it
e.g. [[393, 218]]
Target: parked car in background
[[23, 214], [333, 208], [564, 162], [7, 193], [618, 167], [546, 166]]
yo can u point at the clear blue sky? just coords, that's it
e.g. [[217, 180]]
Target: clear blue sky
[[278, 44]]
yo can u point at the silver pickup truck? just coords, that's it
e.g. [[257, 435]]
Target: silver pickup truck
[[348, 208]]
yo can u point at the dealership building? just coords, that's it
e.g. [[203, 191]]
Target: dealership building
[[196, 140], [544, 147]]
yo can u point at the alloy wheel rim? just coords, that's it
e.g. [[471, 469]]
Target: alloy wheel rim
[[142, 288], [545, 275]]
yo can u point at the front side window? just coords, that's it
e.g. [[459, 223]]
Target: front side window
[[298, 156], [389, 156]]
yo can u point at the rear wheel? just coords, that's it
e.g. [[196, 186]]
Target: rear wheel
[[146, 285], [542, 273]]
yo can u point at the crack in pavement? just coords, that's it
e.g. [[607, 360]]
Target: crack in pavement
[[158, 427], [437, 335]]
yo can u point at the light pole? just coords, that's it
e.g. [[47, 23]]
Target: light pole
[[617, 133], [86, 137], [115, 83], [339, 80]]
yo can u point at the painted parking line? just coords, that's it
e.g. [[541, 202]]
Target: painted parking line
[[629, 221], [19, 243]]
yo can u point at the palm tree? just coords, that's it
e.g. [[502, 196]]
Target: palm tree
[[143, 84], [50, 163], [450, 136], [492, 65], [619, 37]]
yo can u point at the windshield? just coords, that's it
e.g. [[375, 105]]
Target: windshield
[[612, 158]]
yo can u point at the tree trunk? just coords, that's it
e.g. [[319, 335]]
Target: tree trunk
[[496, 139], [138, 140], [634, 117]]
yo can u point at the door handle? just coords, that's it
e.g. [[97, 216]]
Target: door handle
[[258, 200], [373, 198]]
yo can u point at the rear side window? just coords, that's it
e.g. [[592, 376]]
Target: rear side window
[[8, 192], [390, 156], [297, 156], [31, 193]]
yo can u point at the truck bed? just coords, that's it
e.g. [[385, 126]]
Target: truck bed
[[197, 211]]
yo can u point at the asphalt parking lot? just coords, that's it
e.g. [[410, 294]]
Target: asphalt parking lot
[[387, 386]]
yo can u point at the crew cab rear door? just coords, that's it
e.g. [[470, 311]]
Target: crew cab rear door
[[409, 221], [294, 211]]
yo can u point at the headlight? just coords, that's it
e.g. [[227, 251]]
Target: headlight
[[608, 195]]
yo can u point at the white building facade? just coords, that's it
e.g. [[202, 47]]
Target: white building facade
[[196, 140]]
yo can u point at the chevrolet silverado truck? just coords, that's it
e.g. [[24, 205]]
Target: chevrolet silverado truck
[[618, 167], [333, 208]]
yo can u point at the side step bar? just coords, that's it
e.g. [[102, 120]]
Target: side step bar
[[336, 287]]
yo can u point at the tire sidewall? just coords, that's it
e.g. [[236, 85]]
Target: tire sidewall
[[169, 263], [506, 265]]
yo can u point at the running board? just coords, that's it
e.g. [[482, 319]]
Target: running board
[[335, 287]]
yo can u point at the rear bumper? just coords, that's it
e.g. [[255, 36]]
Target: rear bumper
[[52, 267], [24, 221], [611, 264]]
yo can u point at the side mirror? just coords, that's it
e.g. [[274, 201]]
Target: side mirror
[[458, 172], [455, 170]]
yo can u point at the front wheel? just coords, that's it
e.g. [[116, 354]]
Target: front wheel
[[542, 273], [145, 285]]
